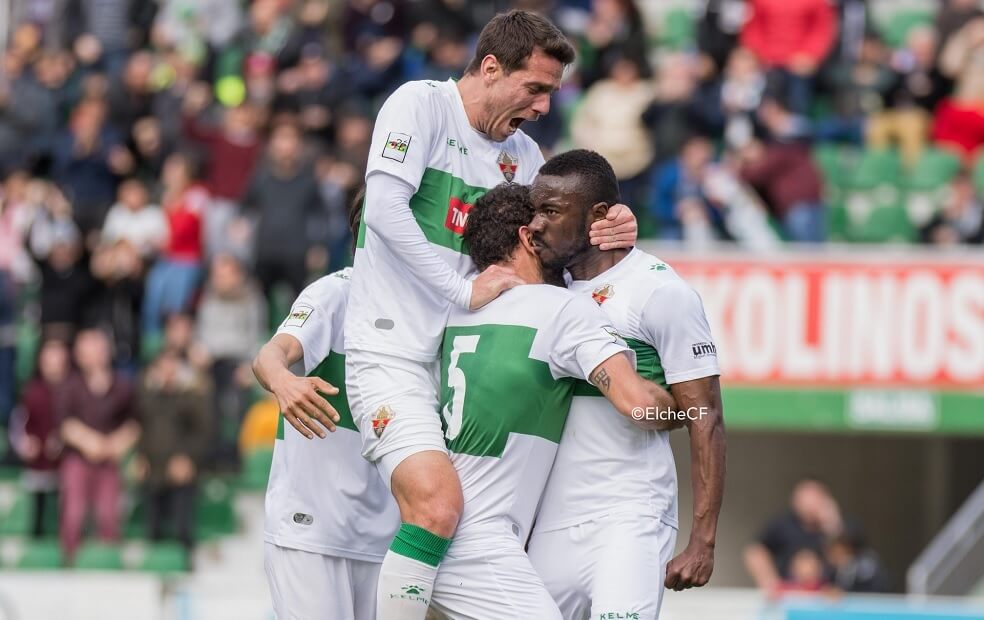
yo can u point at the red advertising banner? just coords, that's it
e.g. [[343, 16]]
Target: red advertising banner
[[866, 320]]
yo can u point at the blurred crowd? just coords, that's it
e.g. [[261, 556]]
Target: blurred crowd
[[174, 172], [813, 547]]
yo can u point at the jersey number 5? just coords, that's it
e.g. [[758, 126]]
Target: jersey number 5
[[456, 382]]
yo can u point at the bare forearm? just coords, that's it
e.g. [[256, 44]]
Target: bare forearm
[[708, 448], [272, 363], [75, 434]]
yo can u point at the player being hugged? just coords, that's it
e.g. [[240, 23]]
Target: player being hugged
[[436, 148], [508, 374], [606, 530]]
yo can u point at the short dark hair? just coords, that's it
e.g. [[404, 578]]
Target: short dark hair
[[493, 221], [355, 214], [598, 180], [511, 37]]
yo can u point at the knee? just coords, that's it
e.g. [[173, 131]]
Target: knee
[[433, 504]]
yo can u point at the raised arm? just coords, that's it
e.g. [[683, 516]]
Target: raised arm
[[300, 398]]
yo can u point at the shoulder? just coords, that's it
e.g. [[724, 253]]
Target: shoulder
[[328, 292], [417, 93]]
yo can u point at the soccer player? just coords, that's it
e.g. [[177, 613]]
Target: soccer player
[[607, 527], [329, 517], [509, 372], [436, 148]]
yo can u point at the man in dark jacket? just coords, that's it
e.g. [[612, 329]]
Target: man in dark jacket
[[174, 416]]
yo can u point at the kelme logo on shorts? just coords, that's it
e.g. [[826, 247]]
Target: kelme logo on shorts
[[381, 419], [619, 615]]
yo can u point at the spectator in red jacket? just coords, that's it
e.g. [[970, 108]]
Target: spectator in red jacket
[[792, 38], [173, 280], [34, 429]]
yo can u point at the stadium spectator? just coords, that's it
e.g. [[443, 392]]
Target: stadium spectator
[[911, 100], [26, 111], [86, 159], [615, 30], [282, 199], [952, 16], [34, 430], [99, 427], [150, 151], [231, 326], [173, 280], [609, 121], [959, 122], [174, 418], [135, 221], [813, 519], [231, 152], [115, 305], [131, 95], [727, 105], [806, 574], [960, 219], [679, 204], [791, 38], [671, 117], [856, 567], [718, 26], [56, 246], [860, 88], [783, 173]]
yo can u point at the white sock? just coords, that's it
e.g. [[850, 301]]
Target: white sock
[[404, 590]]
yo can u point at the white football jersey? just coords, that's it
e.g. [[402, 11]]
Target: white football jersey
[[322, 496], [422, 135], [605, 465], [508, 375]]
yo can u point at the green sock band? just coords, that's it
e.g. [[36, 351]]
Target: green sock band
[[418, 544]]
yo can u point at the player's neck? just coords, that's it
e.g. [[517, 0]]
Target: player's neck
[[594, 262], [526, 268], [472, 97]]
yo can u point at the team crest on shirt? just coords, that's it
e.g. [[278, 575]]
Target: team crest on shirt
[[508, 164], [603, 294], [381, 419]]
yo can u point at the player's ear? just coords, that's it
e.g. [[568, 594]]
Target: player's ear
[[526, 239], [598, 211], [490, 67]]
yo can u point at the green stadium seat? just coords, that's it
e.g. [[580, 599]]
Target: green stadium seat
[[837, 222], [40, 555], [256, 470], [215, 514], [884, 224], [28, 341], [99, 556], [150, 345], [926, 183], [830, 159], [979, 174], [897, 28], [15, 518], [163, 558], [874, 168], [678, 29]]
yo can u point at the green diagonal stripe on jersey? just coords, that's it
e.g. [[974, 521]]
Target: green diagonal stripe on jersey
[[439, 206], [332, 370], [536, 405], [648, 365]]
